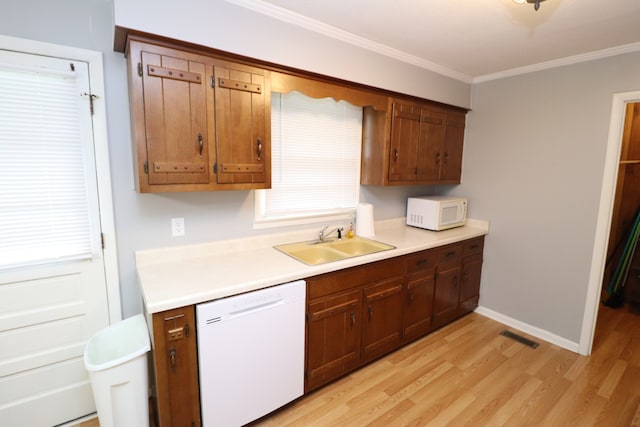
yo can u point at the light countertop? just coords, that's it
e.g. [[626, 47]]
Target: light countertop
[[183, 275]]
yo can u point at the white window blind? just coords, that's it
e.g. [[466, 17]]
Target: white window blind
[[315, 151], [43, 200]]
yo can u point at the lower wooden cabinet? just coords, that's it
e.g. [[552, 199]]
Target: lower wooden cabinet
[[447, 284], [333, 335], [361, 313], [176, 392], [382, 318], [418, 305], [470, 278]]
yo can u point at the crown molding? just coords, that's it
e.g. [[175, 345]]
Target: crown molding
[[293, 18], [347, 37], [569, 60]]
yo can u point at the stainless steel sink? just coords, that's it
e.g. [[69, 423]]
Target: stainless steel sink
[[314, 252]]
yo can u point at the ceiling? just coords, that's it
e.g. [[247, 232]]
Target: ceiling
[[471, 40]]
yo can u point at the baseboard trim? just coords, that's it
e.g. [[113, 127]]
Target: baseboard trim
[[529, 329]]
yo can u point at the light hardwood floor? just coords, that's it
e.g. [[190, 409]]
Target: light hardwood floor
[[467, 374]]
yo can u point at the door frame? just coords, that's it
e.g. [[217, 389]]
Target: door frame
[[100, 140], [605, 212]]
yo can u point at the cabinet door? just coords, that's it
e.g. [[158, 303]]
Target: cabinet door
[[333, 337], [382, 314], [470, 283], [430, 151], [175, 117], [445, 299], [176, 368], [451, 157], [418, 306], [243, 141], [405, 138]]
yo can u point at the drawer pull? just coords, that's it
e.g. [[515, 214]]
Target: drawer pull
[[259, 149], [421, 262]]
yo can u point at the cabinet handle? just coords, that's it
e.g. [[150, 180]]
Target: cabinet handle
[[446, 157], [370, 312], [259, 149], [437, 158], [353, 319], [410, 296], [395, 155], [172, 357], [200, 143], [421, 262]]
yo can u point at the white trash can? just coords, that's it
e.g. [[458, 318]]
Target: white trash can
[[116, 358]]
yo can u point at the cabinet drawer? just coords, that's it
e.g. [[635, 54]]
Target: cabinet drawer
[[350, 278], [421, 262], [449, 256], [473, 246]]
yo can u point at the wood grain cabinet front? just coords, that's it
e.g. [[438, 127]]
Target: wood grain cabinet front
[[382, 318], [333, 337], [424, 144], [420, 283], [176, 391], [471, 271], [200, 123], [359, 314], [447, 284]]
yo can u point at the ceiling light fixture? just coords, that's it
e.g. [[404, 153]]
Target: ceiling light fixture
[[536, 3]]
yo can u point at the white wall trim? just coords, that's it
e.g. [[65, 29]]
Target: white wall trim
[[293, 18], [96, 81], [528, 329], [575, 59], [605, 211]]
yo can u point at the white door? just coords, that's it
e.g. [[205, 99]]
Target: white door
[[53, 294]]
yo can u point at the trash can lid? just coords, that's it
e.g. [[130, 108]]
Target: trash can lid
[[117, 344]]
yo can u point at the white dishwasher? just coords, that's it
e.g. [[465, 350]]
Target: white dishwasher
[[250, 354]]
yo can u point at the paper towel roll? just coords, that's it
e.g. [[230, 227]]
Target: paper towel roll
[[364, 220]]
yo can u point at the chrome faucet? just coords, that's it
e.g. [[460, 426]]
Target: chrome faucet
[[322, 235]]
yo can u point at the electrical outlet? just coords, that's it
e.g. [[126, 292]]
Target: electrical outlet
[[177, 227]]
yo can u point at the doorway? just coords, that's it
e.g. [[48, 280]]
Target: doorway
[[58, 280], [618, 274], [604, 220]]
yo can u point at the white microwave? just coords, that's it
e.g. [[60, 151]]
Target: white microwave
[[436, 212]]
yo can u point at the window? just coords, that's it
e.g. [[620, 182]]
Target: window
[[44, 214], [315, 146]]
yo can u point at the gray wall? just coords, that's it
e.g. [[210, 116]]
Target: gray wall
[[533, 165], [534, 151]]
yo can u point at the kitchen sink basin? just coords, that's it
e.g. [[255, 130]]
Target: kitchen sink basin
[[314, 252]]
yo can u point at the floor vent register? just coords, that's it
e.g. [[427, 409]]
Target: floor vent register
[[520, 339]]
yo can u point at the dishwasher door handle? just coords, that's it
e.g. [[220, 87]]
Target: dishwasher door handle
[[255, 308]]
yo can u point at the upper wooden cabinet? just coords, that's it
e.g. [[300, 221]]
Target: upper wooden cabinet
[[412, 143], [241, 109], [200, 123]]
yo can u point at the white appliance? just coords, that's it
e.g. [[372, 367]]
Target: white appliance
[[250, 354], [436, 212]]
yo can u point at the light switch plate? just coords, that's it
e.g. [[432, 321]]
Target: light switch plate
[[177, 227]]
